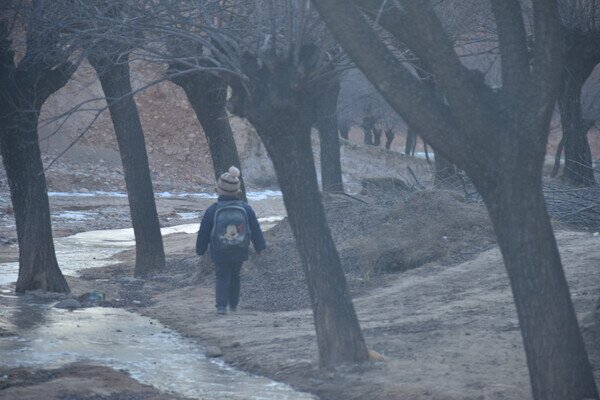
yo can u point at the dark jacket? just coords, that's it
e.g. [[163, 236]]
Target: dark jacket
[[256, 235]]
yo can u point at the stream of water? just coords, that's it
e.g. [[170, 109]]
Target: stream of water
[[149, 351]]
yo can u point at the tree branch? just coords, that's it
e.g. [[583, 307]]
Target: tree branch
[[419, 28], [401, 89]]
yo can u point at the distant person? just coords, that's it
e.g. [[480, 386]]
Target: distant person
[[228, 226]]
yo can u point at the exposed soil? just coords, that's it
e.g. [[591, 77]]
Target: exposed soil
[[445, 331], [77, 381]]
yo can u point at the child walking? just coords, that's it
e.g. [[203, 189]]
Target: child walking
[[229, 226]]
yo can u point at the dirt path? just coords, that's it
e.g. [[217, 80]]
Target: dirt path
[[445, 332]]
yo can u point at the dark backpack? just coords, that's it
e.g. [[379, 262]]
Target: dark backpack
[[230, 230]]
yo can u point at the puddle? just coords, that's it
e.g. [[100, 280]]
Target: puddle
[[150, 352]]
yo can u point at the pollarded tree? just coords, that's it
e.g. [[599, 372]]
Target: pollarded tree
[[107, 39], [498, 137], [113, 73], [24, 88], [286, 72], [581, 43]]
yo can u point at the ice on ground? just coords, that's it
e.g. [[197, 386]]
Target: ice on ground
[[96, 248], [95, 193], [252, 195], [76, 215], [151, 353], [189, 215]]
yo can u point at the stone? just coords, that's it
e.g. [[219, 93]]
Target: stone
[[68, 304], [375, 356], [213, 352], [92, 298]]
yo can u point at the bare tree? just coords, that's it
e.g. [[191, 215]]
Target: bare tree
[[498, 137], [113, 73], [286, 71], [24, 88], [581, 42], [107, 40]]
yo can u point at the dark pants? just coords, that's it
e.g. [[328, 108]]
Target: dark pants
[[228, 284]]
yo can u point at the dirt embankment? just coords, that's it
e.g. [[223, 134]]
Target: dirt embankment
[[374, 241], [75, 382]]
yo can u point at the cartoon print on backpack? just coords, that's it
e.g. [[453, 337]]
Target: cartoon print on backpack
[[231, 233], [230, 228]]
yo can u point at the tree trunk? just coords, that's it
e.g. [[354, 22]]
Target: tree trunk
[[116, 84], [558, 364], [559, 151], [411, 142], [339, 336], [331, 167], [377, 137], [38, 268], [389, 138], [23, 91], [207, 95], [578, 157], [368, 136], [344, 128]]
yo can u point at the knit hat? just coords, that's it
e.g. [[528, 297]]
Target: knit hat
[[229, 183]]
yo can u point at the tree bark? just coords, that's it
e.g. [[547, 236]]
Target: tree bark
[[344, 128], [578, 156], [331, 167], [557, 156], [339, 336], [114, 77], [377, 133], [207, 95], [389, 138], [368, 139], [411, 142], [38, 267], [549, 327]]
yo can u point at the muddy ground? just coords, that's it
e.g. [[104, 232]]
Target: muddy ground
[[74, 382]]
